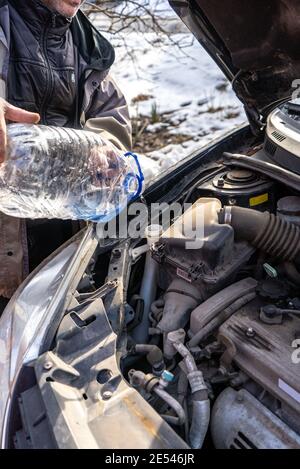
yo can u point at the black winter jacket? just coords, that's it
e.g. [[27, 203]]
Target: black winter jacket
[[59, 68]]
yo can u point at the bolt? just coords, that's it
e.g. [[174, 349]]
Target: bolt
[[232, 202], [220, 182], [48, 365], [250, 332], [107, 395]]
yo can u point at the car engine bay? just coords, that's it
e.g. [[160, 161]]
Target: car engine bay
[[227, 341], [226, 316], [204, 338]]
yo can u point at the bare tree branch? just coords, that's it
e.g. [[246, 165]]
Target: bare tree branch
[[120, 16]]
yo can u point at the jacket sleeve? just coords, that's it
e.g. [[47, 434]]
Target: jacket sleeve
[[108, 114]]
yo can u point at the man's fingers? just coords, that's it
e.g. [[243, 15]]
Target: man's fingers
[[2, 137], [20, 115], [13, 113]]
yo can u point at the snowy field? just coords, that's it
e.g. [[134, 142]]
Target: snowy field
[[184, 85]]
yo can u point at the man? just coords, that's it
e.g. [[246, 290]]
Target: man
[[53, 70]]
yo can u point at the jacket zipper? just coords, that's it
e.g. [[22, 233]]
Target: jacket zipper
[[49, 76]]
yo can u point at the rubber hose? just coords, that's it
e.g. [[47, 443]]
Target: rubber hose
[[173, 403], [182, 387], [200, 423], [200, 401], [272, 234], [154, 354], [206, 330]]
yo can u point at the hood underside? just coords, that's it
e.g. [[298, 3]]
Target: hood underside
[[255, 43]]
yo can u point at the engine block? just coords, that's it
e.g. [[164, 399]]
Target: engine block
[[265, 351]]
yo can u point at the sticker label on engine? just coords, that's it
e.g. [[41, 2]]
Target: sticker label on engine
[[259, 199], [289, 390], [181, 273]]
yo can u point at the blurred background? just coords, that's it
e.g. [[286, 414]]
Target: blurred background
[[179, 99]]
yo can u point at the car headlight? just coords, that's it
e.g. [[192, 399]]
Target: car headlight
[[29, 314]]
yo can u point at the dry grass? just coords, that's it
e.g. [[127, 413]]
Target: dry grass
[[145, 141]]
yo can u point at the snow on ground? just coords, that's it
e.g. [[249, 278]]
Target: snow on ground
[[186, 86]]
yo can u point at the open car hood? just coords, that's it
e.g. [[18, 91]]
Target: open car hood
[[255, 43]]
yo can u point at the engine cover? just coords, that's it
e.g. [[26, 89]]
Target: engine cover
[[265, 352], [239, 421]]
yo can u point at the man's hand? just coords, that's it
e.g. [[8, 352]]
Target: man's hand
[[105, 163], [15, 114]]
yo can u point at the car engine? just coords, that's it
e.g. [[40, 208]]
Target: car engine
[[216, 352], [189, 336]]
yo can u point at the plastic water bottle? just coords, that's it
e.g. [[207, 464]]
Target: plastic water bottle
[[53, 172]]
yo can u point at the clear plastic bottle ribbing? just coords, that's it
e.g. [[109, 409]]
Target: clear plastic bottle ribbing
[[55, 172]]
